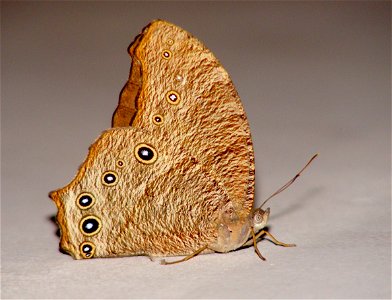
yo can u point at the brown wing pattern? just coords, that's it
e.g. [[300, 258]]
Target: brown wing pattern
[[177, 88], [169, 207]]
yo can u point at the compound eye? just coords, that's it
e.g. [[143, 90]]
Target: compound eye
[[90, 225], [87, 249], [258, 218], [146, 154], [85, 200]]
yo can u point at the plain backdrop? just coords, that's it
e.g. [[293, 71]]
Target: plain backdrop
[[313, 77]]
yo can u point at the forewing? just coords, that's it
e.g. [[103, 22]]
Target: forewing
[[177, 81]]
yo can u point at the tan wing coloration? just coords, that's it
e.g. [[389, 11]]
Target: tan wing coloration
[[167, 207], [177, 87], [180, 179]]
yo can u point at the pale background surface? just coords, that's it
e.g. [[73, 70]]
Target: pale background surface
[[313, 77]]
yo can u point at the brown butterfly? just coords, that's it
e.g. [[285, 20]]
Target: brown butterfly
[[175, 175]]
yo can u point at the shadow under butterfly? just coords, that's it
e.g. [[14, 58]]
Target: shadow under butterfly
[[175, 174]]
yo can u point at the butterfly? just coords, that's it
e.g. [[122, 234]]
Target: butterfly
[[175, 174]]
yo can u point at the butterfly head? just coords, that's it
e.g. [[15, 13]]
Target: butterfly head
[[260, 218]]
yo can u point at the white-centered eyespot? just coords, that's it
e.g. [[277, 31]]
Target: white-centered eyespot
[[146, 154], [87, 249], [85, 200], [109, 178], [157, 119], [173, 97], [90, 225], [120, 163], [167, 54]]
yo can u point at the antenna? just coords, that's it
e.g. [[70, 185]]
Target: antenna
[[290, 182]]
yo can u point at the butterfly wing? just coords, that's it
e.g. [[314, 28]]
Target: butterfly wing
[[138, 194], [181, 177], [177, 87]]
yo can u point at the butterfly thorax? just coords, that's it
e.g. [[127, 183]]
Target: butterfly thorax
[[233, 229]]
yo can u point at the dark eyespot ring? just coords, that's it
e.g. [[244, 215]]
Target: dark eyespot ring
[[87, 249], [90, 225], [166, 54], [120, 163], [173, 97], [170, 42], [85, 200], [157, 119], [146, 154], [109, 178]]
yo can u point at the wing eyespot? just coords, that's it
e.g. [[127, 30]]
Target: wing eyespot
[[167, 54], [146, 154], [85, 200], [173, 97], [109, 178], [87, 249], [90, 225], [157, 119], [120, 163]]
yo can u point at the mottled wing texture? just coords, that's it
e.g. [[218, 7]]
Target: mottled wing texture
[[169, 207], [176, 169], [178, 88]]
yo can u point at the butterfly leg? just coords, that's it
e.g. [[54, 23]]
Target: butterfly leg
[[273, 239], [164, 262], [254, 237]]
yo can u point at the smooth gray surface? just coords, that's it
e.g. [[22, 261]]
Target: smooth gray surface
[[313, 77]]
